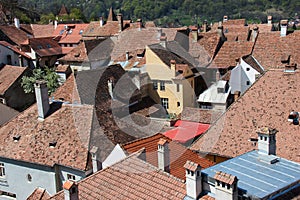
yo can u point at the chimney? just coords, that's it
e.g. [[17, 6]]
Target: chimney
[[110, 84], [95, 163], [254, 33], [173, 65], [127, 55], [17, 22], [193, 180], [225, 186], [290, 67], [120, 20], [21, 62], [205, 26], [194, 34], [218, 75], [163, 155], [221, 32], [236, 95], [101, 21], [42, 98], [163, 40], [267, 141], [70, 190], [269, 20], [225, 18], [55, 24], [283, 27], [140, 24]]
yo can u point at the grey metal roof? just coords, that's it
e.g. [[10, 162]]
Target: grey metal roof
[[257, 176]]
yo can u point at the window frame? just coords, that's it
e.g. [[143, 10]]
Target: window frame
[[71, 177], [155, 84], [2, 170], [162, 85], [164, 102]]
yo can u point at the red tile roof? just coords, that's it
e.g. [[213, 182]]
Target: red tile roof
[[186, 131], [271, 47], [178, 154], [41, 31], [68, 125], [39, 194], [131, 178], [16, 35], [8, 75], [267, 103], [44, 46], [225, 178], [14, 48], [210, 42], [200, 115], [230, 52], [207, 197], [109, 29], [191, 165], [70, 35], [68, 184]]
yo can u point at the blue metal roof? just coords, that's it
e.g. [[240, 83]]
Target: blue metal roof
[[257, 176]]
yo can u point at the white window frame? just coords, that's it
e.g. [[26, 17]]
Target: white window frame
[[162, 85], [165, 102], [71, 177], [2, 170]]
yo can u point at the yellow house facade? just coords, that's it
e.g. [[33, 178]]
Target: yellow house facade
[[172, 80]]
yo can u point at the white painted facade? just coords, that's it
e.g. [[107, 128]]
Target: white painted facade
[[15, 60], [22, 178], [116, 155], [242, 77]]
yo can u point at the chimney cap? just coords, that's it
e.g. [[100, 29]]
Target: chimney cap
[[270, 17], [68, 184], [40, 82], [284, 22], [162, 142], [225, 178], [190, 165], [255, 28], [94, 150], [267, 131]]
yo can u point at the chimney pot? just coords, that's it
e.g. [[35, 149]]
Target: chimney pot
[[120, 20], [70, 190], [17, 23], [290, 67], [269, 20], [193, 179], [95, 163], [225, 18], [163, 155], [101, 21], [267, 140], [140, 24], [42, 98], [283, 28], [163, 40], [225, 186]]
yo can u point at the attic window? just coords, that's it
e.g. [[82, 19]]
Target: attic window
[[52, 144], [70, 31], [61, 32], [39, 47], [77, 55], [221, 90], [247, 69], [80, 32], [48, 46], [16, 138]]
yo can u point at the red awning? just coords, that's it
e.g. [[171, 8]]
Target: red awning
[[186, 130]]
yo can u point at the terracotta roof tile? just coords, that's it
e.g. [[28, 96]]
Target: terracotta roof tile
[[16, 35], [178, 154], [8, 75], [270, 47], [41, 31], [39, 194], [70, 35], [200, 115], [130, 178], [225, 178], [68, 184], [77, 54], [191, 165], [267, 103], [207, 197], [6, 113], [44, 46]]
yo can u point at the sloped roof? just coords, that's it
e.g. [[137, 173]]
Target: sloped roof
[[271, 47], [131, 178], [111, 15], [178, 154], [39, 194], [63, 10], [267, 103], [250, 60], [230, 52], [77, 54], [200, 115], [14, 48], [6, 114], [8, 75], [14, 34], [111, 28], [70, 33], [41, 31], [44, 46], [212, 95], [135, 39]]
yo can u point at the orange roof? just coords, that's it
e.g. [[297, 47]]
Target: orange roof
[[70, 33], [8, 75], [16, 35], [68, 184], [14, 48], [178, 154], [186, 131], [225, 178], [39, 194]]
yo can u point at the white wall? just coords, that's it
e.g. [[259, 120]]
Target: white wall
[[116, 155], [14, 57]]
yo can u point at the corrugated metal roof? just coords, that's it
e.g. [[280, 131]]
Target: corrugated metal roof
[[256, 176]]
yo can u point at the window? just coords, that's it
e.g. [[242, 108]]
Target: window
[[9, 60], [178, 87], [61, 32], [2, 170], [80, 32], [2, 100], [48, 46], [178, 103], [162, 85], [247, 69], [70, 177], [223, 184], [154, 85], [165, 102], [29, 178], [248, 82], [228, 186]]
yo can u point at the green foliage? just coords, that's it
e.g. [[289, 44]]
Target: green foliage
[[48, 74], [46, 18]]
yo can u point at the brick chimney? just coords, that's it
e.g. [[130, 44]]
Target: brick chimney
[[120, 20], [95, 163], [225, 186], [267, 141], [70, 190], [269, 20], [221, 32], [254, 34], [42, 98], [225, 18], [193, 180], [163, 155], [140, 24], [163, 40], [283, 27]]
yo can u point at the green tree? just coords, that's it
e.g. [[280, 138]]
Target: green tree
[[48, 74]]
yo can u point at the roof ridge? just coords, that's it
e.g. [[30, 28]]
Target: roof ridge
[[139, 139]]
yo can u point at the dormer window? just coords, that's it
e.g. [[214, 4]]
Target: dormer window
[[70, 31], [80, 32], [221, 90], [48, 46], [39, 47], [52, 144], [61, 32], [16, 138]]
